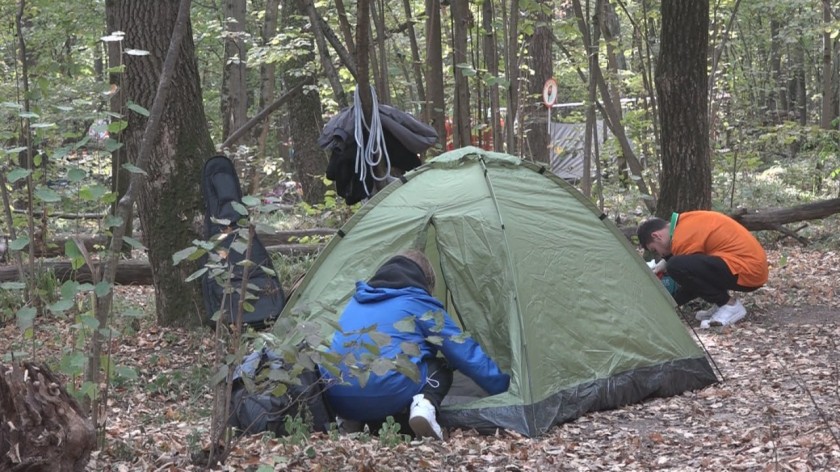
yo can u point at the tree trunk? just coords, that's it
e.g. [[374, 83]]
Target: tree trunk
[[491, 62], [415, 54], [461, 126], [43, 428], [535, 117], [346, 29], [435, 111], [309, 161], [234, 100], [512, 72], [268, 78], [324, 54], [778, 103], [682, 88], [383, 88], [827, 114], [169, 203], [121, 177]]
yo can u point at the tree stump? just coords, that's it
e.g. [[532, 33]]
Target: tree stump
[[43, 428]]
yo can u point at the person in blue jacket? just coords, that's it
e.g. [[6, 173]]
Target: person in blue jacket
[[400, 290]]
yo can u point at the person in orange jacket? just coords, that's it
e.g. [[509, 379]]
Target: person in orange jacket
[[707, 254]]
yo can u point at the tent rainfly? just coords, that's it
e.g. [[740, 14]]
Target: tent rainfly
[[549, 287]]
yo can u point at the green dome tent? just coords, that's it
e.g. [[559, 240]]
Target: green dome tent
[[551, 289]]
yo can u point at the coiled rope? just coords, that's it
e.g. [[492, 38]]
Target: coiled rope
[[370, 154]]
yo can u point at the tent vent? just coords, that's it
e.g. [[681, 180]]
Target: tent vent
[[341, 233]]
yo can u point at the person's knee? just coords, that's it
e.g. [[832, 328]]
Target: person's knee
[[677, 267]]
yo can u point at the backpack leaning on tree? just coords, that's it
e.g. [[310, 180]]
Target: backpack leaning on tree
[[221, 190]]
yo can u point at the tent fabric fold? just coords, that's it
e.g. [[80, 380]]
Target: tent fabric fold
[[556, 295]]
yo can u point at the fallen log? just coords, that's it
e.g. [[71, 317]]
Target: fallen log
[[42, 428], [132, 272], [774, 218], [55, 247]]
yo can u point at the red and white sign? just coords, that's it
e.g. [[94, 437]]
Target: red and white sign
[[549, 92]]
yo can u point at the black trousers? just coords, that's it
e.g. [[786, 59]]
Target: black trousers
[[436, 385], [706, 277]]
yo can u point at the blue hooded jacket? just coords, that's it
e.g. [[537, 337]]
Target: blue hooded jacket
[[391, 296]]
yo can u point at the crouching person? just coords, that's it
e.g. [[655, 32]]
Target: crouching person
[[400, 289], [708, 254]]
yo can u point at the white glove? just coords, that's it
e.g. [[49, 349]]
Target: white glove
[[660, 266]]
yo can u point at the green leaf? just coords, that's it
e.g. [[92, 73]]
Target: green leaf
[[75, 174], [28, 114], [133, 242], [62, 305], [112, 145], [137, 108], [42, 125], [102, 289], [19, 243], [134, 169], [406, 325], [89, 322], [93, 193], [25, 317], [250, 200], [436, 340], [125, 372], [410, 349], [70, 288], [18, 173], [381, 366], [239, 208], [71, 250], [117, 126], [47, 195], [220, 376], [381, 339], [112, 221], [196, 274], [183, 254], [407, 368]]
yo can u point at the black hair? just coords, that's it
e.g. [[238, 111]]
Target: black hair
[[647, 228]]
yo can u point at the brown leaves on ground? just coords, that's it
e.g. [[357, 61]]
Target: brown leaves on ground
[[777, 408]]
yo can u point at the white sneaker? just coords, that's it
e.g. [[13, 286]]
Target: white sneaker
[[728, 314], [422, 418], [346, 426], [706, 314]]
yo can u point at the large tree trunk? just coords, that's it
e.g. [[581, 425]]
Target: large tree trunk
[[682, 89], [512, 72], [234, 99], [309, 162], [535, 116], [434, 108], [43, 428], [461, 126], [170, 203], [491, 62]]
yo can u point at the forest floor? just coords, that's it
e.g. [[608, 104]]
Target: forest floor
[[776, 408]]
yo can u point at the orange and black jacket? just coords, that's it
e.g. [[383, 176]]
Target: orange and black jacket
[[715, 234]]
